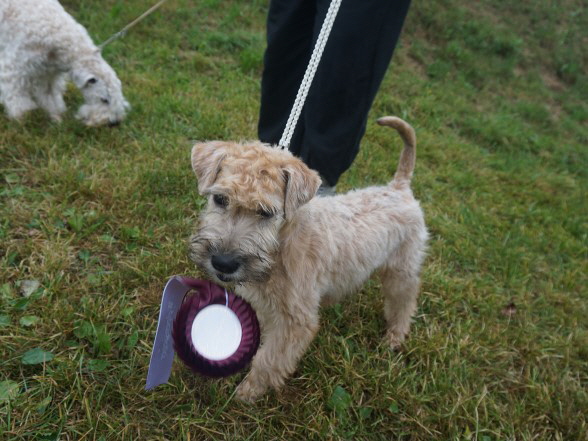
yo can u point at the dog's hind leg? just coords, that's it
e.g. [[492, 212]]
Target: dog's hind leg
[[400, 288]]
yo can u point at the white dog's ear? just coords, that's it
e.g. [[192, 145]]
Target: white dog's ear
[[301, 186], [206, 162]]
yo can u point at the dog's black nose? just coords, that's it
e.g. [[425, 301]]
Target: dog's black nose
[[225, 263], [113, 123]]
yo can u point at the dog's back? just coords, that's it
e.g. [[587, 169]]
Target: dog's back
[[41, 21]]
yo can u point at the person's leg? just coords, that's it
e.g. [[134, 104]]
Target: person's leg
[[290, 26], [350, 72]]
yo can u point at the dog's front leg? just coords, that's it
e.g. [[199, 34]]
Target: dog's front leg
[[283, 345]]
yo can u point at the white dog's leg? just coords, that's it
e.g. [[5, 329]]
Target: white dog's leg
[[49, 94], [16, 98]]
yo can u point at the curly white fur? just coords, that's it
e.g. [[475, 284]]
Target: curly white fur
[[41, 45]]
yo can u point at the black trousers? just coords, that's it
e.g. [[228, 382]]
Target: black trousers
[[355, 59]]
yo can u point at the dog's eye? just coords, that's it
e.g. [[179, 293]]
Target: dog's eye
[[266, 214], [104, 100], [220, 200]]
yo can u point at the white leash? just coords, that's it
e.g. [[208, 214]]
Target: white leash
[[124, 30], [309, 74]]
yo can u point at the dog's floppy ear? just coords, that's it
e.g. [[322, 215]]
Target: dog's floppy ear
[[206, 162], [83, 78], [301, 186]]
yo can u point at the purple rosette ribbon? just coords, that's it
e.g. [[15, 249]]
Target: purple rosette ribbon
[[183, 298], [206, 294]]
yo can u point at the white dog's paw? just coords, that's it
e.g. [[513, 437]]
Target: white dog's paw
[[56, 118]]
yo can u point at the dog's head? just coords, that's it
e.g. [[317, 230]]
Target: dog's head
[[104, 102], [253, 191]]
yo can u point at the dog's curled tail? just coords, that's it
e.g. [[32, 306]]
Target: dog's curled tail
[[406, 164]]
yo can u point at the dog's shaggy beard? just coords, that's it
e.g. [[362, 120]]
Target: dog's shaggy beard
[[254, 251]]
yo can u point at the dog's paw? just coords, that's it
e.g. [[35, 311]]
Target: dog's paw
[[56, 118], [394, 339], [250, 390]]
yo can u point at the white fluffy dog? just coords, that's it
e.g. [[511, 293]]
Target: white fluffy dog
[[40, 46]]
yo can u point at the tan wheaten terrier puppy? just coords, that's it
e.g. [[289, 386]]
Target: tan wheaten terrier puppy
[[287, 252]]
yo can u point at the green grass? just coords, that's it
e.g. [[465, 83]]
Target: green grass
[[498, 93]]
